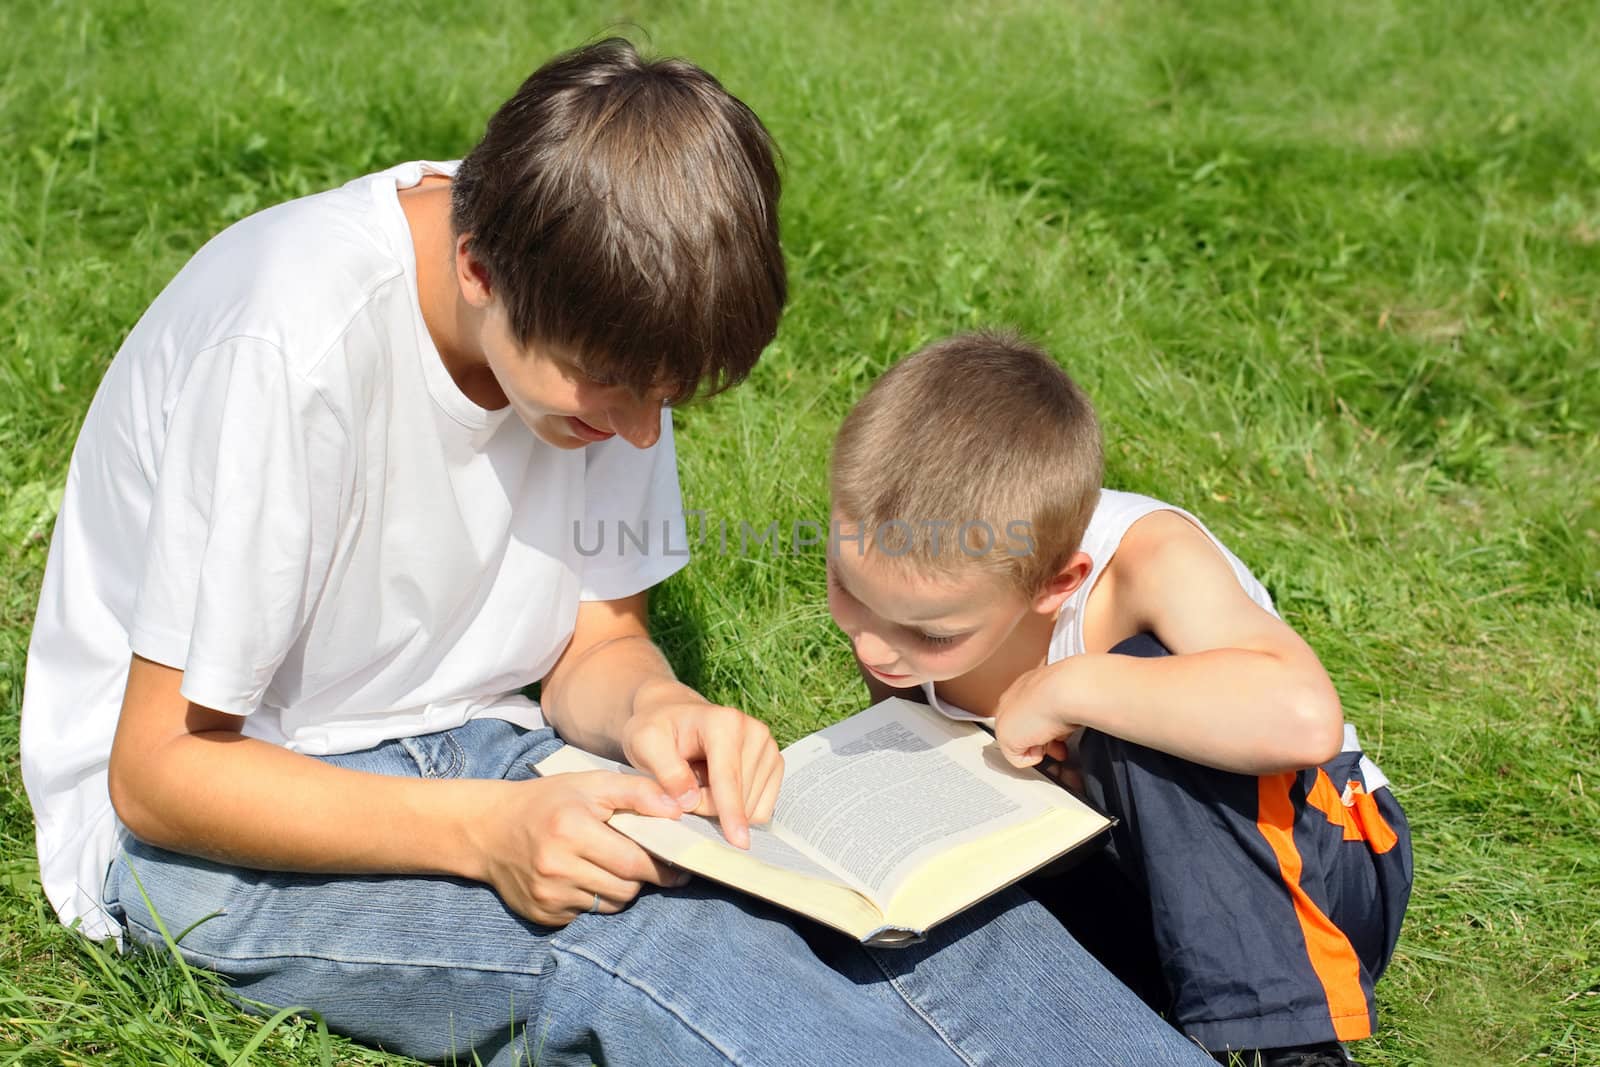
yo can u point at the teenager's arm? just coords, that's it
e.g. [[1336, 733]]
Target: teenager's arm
[[183, 777], [1241, 691], [612, 692]]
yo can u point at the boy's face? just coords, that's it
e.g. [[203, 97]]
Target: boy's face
[[908, 630], [558, 401]]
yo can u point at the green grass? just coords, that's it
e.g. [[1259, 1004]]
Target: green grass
[[1330, 272]]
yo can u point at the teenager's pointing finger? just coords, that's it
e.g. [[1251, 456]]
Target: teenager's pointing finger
[[654, 750], [725, 775]]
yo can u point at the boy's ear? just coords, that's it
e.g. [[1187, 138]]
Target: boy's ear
[[472, 276], [1066, 580]]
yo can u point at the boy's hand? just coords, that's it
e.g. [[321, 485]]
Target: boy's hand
[[550, 855], [686, 742], [1029, 720]]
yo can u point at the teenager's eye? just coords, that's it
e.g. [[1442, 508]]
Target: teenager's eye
[[597, 378]]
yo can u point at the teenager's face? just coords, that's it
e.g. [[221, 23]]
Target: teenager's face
[[558, 401], [908, 630]]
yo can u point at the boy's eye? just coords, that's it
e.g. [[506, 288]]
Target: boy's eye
[[937, 640]]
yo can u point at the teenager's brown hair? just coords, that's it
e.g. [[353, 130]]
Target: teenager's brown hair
[[980, 433], [627, 211]]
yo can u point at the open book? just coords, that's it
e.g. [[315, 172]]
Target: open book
[[888, 823]]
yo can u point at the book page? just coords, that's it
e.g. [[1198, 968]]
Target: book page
[[765, 845], [884, 791], [667, 836]]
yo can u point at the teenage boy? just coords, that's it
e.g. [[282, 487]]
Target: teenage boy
[[326, 497], [980, 567]]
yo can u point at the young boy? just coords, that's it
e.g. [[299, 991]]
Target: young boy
[[319, 532], [980, 567]]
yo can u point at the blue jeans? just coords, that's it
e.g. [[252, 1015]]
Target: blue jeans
[[437, 967]]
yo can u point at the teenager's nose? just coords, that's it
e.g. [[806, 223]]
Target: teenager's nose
[[639, 424]]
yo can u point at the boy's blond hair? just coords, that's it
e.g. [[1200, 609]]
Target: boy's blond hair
[[980, 433]]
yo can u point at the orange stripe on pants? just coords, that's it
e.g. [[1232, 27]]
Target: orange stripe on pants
[[1325, 798], [1332, 957], [1358, 817], [1374, 827]]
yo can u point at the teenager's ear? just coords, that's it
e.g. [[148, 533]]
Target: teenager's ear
[[472, 275], [1073, 574]]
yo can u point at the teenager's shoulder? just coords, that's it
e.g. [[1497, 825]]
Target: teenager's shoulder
[[296, 276]]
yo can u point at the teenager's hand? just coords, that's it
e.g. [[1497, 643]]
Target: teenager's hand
[[714, 760], [546, 849], [1030, 721]]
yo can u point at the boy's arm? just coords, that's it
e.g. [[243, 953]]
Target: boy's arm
[[1241, 692], [612, 692]]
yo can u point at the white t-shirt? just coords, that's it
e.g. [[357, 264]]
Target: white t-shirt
[[280, 489]]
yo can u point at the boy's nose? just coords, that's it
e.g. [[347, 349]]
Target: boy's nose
[[872, 650]]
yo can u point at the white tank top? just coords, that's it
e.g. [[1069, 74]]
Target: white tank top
[[1113, 515]]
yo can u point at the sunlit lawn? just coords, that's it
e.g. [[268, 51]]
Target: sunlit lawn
[[1330, 272]]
